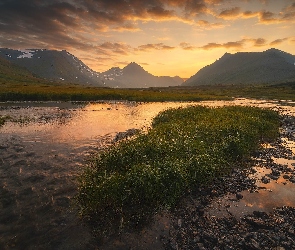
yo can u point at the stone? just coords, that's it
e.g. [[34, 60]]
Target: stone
[[239, 196]]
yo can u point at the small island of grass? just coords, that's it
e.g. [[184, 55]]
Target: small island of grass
[[185, 148]]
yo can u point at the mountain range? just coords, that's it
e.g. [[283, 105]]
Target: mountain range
[[62, 66], [269, 67]]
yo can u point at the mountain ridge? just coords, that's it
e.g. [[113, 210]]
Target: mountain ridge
[[267, 67], [135, 73], [53, 65], [61, 66]]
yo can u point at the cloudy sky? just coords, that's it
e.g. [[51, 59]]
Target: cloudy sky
[[176, 37]]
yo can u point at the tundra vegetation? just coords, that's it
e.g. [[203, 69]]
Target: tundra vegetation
[[45, 91], [129, 182], [4, 119]]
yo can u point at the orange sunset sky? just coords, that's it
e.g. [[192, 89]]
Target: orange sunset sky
[[175, 37]]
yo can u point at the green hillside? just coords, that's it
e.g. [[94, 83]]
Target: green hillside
[[13, 74]]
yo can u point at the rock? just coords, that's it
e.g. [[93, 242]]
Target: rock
[[252, 244], [200, 246], [273, 177], [256, 222], [127, 134], [265, 180], [201, 211], [239, 196], [179, 222], [260, 214]]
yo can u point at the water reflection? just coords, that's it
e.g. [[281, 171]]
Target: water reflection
[[41, 157], [74, 126]]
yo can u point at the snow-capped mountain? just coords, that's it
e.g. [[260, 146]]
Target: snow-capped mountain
[[53, 65], [268, 67], [62, 66]]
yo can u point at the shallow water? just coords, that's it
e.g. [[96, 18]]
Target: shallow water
[[42, 155], [40, 159]]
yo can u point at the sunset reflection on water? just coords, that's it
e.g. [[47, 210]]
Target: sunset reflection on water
[[44, 153]]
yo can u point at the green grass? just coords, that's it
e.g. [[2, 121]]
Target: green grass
[[185, 148], [4, 119], [48, 91]]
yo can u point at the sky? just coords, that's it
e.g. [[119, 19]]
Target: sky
[[167, 38]]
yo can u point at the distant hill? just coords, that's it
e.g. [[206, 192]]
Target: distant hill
[[134, 76], [268, 67], [53, 65]]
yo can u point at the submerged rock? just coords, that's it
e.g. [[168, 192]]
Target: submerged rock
[[126, 134]]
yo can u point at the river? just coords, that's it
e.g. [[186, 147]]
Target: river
[[43, 153]]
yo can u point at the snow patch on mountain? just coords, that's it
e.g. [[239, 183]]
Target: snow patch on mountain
[[26, 53]]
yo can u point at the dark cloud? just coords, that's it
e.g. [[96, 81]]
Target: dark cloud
[[38, 23], [187, 46], [278, 41], [249, 14], [286, 15], [195, 7], [126, 27], [228, 45], [39, 16], [73, 24], [267, 17], [160, 12], [155, 46], [235, 45], [264, 16], [259, 42], [207, 25], [230, 13], [144, 63], [109, 48], [48, 23]]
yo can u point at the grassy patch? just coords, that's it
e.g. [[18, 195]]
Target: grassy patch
[[3, 119], [45, 91], [21, 120], [51, 92], [185, 148]]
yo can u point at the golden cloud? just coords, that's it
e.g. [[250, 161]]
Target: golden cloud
[[278, 41], [232, 13], [155, 46]]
